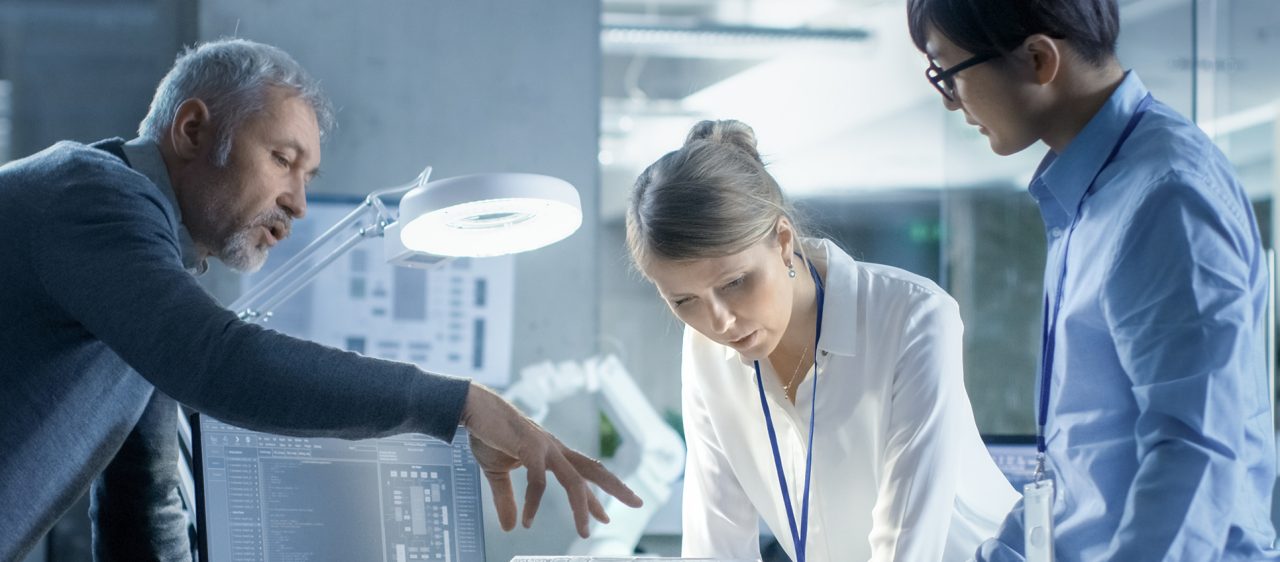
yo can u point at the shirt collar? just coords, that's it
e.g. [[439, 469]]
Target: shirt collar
[[839, 307], [1062, 179], [839, 316], [144, 156]]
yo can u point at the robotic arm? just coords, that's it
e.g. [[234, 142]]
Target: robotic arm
[[649, 460]]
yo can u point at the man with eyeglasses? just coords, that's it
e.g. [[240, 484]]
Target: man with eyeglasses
[[1153, 411]]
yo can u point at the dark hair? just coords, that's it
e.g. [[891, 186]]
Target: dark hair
[[997, 27], [712, 198]]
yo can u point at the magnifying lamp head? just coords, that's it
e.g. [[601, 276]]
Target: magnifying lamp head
[[485, 215]]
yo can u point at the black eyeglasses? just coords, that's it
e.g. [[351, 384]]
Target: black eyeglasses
[[945, 81]]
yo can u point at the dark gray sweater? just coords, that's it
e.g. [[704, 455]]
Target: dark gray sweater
[[101, 324]]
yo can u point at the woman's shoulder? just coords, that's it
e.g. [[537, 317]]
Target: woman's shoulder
[[900, 281], [880, 284], [914, 303]]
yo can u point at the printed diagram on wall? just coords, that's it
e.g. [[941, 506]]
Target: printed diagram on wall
[[454, 319]]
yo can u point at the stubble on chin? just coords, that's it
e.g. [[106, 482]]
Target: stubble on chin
[[243, 249], [241, 252]]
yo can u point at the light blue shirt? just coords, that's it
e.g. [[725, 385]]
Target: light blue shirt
[[1159, 431]]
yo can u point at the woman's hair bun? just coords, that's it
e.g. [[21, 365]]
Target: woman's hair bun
[[726, 131]]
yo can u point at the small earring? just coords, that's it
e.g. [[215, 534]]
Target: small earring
[[791, 271]]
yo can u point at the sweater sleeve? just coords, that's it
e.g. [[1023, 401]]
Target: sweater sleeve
[[134, 504], [109, 257]]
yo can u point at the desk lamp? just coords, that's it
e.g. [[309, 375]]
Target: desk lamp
[[481, 215]]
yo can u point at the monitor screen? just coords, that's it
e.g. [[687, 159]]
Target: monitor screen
[[1015, 456], [271, 498]]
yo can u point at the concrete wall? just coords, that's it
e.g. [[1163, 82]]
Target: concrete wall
[[66, 83]]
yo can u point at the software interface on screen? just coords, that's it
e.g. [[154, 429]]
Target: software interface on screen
[[269, 498], [1016, 460]]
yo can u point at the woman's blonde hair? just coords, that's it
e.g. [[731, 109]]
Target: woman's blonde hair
[[711, 198]]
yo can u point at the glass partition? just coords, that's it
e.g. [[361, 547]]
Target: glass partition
[[854, 134]]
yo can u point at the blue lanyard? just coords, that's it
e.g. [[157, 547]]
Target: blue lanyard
[[1049, 332], [798, 538]]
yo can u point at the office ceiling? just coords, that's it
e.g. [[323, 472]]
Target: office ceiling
[[836, 92]]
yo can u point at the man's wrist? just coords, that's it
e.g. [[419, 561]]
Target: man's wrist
[[469, 404]]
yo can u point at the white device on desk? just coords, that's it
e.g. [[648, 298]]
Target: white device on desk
[[275, 498], [649, 460]]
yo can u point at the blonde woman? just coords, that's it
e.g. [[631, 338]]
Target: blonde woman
[[822, 394]]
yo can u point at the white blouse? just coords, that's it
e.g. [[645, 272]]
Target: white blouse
[[899, 470]]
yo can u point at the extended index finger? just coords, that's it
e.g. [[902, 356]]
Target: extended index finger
[[594, 470]]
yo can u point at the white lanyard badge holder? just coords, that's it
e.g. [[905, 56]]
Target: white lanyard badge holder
[[1038, 495], [1037, 520]]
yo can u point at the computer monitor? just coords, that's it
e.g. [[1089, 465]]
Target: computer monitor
[[272, 498], [1015, 456]]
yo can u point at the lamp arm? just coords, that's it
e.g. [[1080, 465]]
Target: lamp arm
[[298, 260], [297, 282], [269, 293], [256, 304]]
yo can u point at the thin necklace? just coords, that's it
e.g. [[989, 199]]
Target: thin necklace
[[786, 388]]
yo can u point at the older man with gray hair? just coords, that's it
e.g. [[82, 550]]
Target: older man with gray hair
[[108, 328]]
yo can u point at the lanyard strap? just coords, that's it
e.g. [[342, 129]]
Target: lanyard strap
[[1049, 332], [798, 536]]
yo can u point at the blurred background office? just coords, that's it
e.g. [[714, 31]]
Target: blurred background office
[[592, 91]]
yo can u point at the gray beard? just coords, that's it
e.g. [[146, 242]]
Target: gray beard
[[236, 246], [241, 253], [239, 249]]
